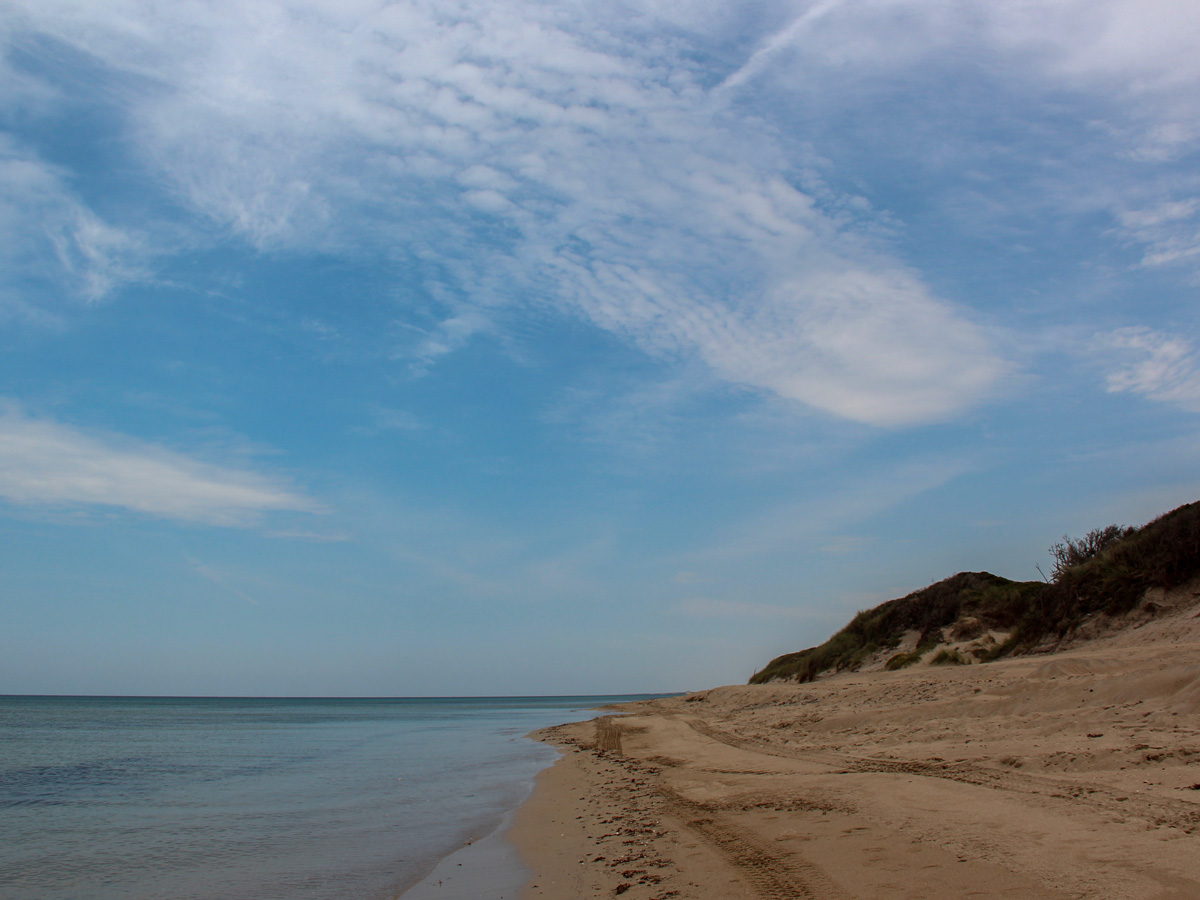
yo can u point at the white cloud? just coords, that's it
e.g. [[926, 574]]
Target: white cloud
[[1142, 51], [1170, 230], [44, 463], [1136, 63], [49, 235], [868, 345], [792, 34], [1098, 100], [1156, 365], [533, 157]]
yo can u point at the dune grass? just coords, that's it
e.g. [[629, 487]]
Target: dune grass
[[1106, 572], [995, 601], [1162, 554], [946, 657]]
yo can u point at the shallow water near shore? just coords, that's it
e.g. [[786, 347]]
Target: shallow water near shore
[[208, 799]]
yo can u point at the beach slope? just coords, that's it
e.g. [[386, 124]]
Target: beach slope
[[1047, 777]]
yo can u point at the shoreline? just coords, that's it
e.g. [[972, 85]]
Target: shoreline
[[1073, 776], [489, 868]]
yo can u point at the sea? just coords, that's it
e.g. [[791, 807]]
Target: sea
[[154, 798]]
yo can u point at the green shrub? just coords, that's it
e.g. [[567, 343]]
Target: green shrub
[[946, 657], [1162, 554], [996, 601], [1069, 552], [1107, 571], [902, 660]]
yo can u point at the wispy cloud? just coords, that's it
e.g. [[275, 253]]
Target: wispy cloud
[[784, 39], [825, 519], [44, 463], [530, 158], [1170, 230], [1156, 365], [222, 580], [525, 158], [52, 237], [1143, 51], [1066, 112], [631, 417]]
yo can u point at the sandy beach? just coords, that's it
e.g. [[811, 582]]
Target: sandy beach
[[1047, 777]]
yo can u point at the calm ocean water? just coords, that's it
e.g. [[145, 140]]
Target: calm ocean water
[[255, 799]]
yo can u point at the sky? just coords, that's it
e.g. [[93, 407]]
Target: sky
[[355, 348]]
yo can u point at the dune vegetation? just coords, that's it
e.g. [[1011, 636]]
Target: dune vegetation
[[1102, 576]]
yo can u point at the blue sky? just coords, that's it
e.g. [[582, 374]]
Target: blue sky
[[356, 348]]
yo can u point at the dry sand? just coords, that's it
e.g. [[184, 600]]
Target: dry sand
[[1075, 775]]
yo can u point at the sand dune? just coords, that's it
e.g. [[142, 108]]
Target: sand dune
[[1073, 775]]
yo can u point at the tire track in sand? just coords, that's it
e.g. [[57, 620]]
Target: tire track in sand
[[769, 875], [1161, 812]]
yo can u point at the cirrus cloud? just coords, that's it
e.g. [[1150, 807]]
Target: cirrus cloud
[[1153, 364], [531, 159], [52, 236]]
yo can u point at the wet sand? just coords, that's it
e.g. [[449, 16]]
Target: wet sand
[[487, 869], [1052, 777]]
